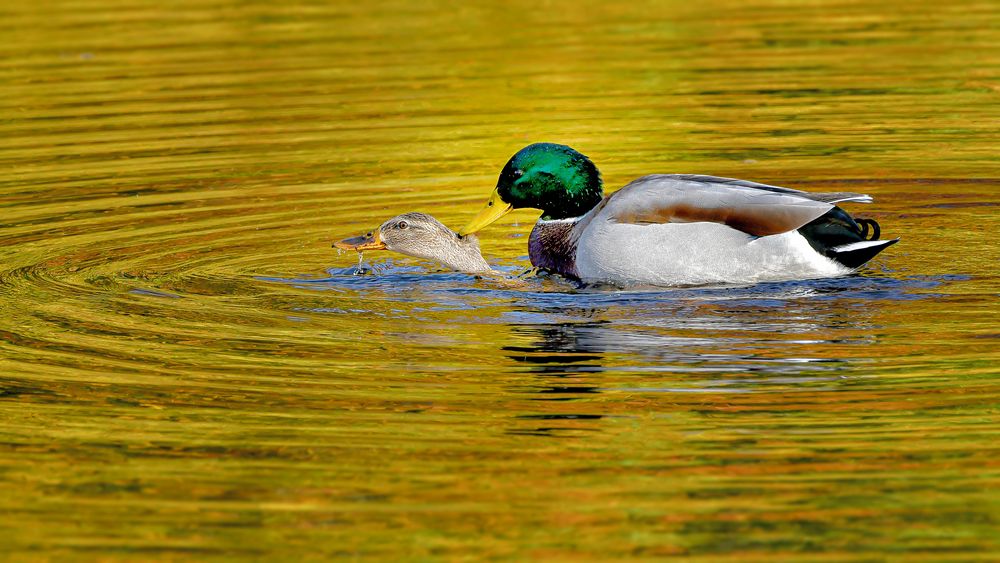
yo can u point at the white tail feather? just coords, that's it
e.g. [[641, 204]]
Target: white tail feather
[[855, 198], [858, 245]]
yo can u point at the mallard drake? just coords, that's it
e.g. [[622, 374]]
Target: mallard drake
[[422, 236], [676, 229]]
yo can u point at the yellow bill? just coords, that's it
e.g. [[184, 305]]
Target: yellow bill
[[494, 209]]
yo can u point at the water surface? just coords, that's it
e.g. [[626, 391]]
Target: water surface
[[189, 370]]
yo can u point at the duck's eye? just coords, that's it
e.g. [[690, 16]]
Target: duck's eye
[[402, 225], [369, 234]]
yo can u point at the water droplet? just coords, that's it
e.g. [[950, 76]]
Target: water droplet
[[340, 251], [361, 256]]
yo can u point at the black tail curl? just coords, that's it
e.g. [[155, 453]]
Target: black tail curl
[[837, 235], [868, 225]]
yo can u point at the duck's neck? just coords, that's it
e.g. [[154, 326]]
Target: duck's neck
[[552, 246], [462, 254]]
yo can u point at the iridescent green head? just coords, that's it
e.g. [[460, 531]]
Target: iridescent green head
[[556, 179]]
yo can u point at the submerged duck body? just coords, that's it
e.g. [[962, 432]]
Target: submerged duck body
[[422, 236], [676, 229]]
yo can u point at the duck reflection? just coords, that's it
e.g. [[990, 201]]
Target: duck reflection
[[713, 342], [555, 425], [559, 348], [560, 354], [715, 334]]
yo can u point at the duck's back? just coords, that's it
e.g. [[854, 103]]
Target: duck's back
[[684, 229]]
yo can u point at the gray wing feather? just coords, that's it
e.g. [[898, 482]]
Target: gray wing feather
[[827, 197]]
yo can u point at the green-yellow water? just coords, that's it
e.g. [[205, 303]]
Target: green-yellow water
[[188, 370]]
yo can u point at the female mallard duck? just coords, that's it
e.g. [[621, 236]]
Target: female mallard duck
[[675, 229], [423, 236]]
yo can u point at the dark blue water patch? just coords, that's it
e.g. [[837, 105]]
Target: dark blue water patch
[[367, 278], [383, 272], [777, 294], [537, 299]]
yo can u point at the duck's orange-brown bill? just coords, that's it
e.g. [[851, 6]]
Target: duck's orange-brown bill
[[370, 241]]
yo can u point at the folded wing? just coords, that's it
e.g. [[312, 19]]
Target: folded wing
[[755, 209]]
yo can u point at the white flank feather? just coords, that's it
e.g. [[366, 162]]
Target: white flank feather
[[695, 254]]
